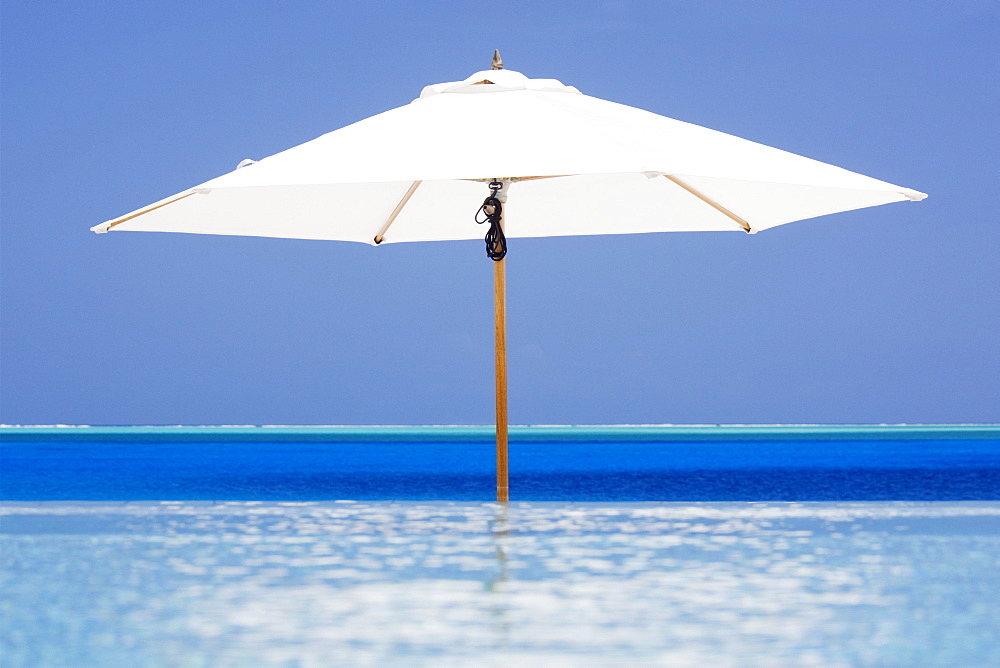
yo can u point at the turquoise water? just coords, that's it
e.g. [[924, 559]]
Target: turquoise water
[[575, 433], [348, 546]]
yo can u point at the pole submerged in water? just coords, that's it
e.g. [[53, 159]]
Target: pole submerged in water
[[496, 250], [500, 321], [500, 325]]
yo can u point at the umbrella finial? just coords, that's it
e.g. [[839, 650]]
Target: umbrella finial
[[497, 61]]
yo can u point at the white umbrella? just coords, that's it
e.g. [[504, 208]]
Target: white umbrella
[[559, 162]]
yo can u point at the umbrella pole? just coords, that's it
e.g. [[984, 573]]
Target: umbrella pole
[[496, 249], [500, 322]]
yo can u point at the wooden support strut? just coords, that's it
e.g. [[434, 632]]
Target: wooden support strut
[[107, 227], [712, 203], [395, 212]]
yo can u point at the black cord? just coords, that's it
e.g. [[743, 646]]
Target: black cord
[[492, 210]]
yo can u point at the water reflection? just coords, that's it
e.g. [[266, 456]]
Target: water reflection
[[495, 585], [450, 584]]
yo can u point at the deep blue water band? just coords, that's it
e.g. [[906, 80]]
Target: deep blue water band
[[546, 463]]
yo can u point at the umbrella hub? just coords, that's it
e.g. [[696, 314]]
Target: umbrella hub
[[492, 213], [498, 81]]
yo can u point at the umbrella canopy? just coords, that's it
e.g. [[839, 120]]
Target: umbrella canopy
[[581, 165], [558, 162]]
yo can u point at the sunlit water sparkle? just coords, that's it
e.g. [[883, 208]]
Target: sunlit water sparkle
[[393, 583]]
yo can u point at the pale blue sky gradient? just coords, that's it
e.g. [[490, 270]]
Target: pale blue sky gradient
[[888, 314]]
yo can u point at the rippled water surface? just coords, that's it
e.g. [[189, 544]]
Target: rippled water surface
[[388, 583]]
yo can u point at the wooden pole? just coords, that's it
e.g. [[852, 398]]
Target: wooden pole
[[500, 322]]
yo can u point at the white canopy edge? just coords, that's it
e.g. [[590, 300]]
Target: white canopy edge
[[439, 210]]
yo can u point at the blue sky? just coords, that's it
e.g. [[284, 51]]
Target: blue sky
[[889, 314]]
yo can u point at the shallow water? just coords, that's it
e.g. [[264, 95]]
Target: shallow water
[[391, 583]]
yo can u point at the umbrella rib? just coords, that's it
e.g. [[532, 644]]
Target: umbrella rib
[[395, 212], [673, 179], [139, 213], [709, 201]]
